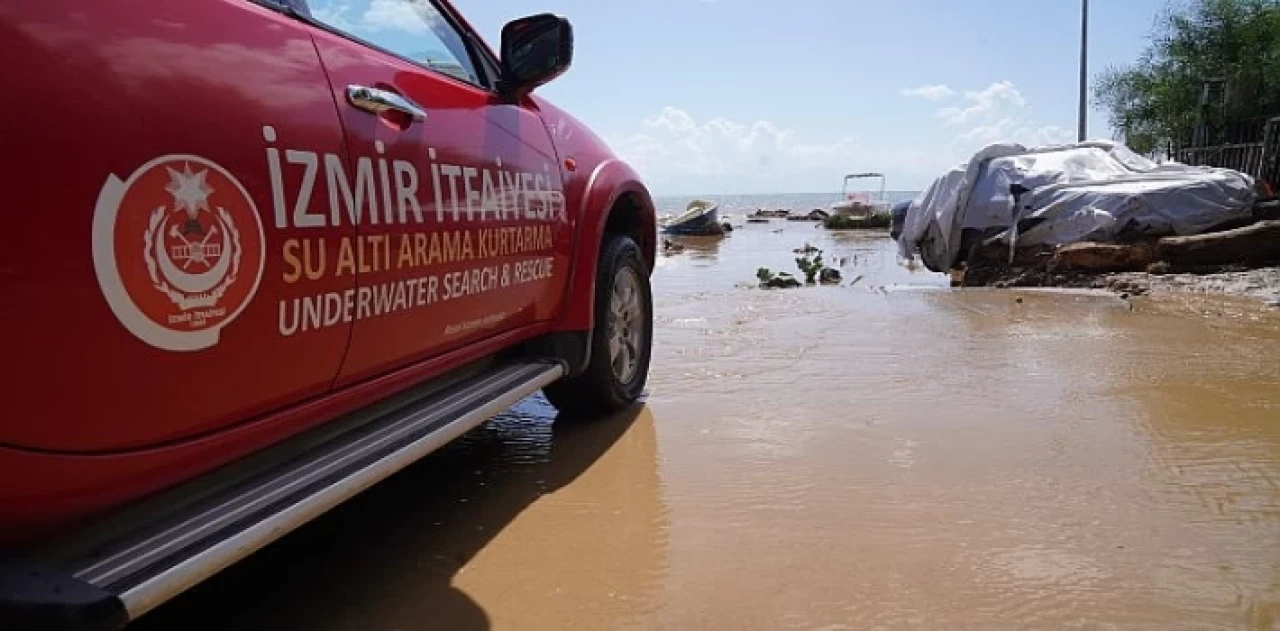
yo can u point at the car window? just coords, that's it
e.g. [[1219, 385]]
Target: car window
[[413, 29]]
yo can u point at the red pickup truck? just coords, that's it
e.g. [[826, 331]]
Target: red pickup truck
[[260, 254]]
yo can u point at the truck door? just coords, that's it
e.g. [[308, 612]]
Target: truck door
[[461, 228], [154, 229]]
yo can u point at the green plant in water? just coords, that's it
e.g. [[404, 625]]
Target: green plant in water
[[810, 265], [770, 280]]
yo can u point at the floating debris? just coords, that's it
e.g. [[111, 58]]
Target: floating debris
[[761, 213], [780, 280], [817, 214], [812, 266]]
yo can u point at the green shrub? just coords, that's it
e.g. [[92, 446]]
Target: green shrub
[[846, 222]]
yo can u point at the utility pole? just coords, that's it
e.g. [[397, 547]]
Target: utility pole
[[1083, 116]]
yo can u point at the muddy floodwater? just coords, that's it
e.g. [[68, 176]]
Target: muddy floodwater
[[887, 453]]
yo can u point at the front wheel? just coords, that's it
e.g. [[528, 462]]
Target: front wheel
[[621, 340]]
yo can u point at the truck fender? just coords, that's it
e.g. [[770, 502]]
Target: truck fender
[[613, 199], [613, 190]]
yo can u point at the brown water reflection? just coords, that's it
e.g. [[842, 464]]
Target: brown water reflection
[[888, 453], [468, 539]]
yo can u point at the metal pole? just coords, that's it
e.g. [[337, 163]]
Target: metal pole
[[1083, 116]]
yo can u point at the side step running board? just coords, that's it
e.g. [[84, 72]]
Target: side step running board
[[133, 575]]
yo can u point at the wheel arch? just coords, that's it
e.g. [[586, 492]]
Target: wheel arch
[[615, 202]]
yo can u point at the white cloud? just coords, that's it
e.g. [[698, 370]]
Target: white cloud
[[998, 113], [930, 92], [333, 13], [990, 101], [677, 152], [411, 16], [398, 14], [1011, 129], [717, 147]]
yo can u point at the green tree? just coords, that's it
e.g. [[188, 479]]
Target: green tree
[[1233, 46]]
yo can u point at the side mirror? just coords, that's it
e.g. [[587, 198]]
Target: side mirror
[[535, 50]]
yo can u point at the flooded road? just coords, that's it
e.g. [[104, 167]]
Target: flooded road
[[887, 453]]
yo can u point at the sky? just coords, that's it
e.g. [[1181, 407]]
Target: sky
[[749, 96]]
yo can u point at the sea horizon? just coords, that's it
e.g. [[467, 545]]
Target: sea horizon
[[737, 202]]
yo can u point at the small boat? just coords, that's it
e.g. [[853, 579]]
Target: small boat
[[700, 218], [860, 204], [761, 213], [817, 214]]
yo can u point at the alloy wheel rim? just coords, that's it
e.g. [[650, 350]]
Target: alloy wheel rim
[[626, 325]]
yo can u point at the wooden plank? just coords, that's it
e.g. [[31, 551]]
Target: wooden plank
[[1251, 245]]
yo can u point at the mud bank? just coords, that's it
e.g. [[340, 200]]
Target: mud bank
[[1262, 284], [1240, 262]]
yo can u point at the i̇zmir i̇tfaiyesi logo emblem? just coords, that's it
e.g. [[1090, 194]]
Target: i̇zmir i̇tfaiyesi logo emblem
[[178, 251]]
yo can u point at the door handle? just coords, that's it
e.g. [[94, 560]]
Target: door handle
[[379, 101]]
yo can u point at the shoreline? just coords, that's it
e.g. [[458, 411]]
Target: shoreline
[[1260, 283], [1241, 261]]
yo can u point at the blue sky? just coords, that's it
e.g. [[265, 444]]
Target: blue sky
[[748, 96]]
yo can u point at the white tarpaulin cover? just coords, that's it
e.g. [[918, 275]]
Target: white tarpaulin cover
[[1091, 190]]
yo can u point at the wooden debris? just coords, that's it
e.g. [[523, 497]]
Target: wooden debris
[[1255, 244], [1102, 257]]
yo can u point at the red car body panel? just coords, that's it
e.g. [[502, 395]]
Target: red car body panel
[[46, 492], [110, 395], [470, 142], [597, 181], [111, 85]]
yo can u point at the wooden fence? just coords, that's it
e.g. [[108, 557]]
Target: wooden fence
[[1256, 152]]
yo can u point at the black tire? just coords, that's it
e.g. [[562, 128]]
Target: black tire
[[602, 388]]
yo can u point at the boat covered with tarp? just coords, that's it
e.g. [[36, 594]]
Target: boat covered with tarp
[[701, 217], [1056, 195]]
